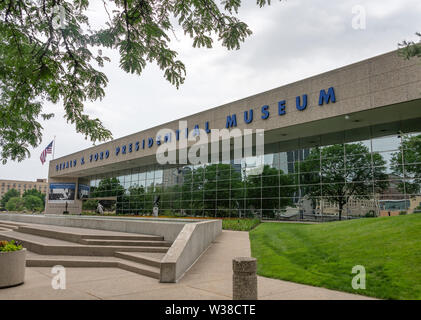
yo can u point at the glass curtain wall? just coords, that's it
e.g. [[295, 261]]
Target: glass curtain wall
[[330, 176]]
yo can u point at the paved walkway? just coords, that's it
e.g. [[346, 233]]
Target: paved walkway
[[209, 278]]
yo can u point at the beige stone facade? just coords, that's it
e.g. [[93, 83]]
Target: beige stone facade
[[372, 92]]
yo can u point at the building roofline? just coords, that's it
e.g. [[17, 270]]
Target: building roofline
[[235, 101]]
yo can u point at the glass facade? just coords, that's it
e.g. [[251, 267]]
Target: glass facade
[[347, 174]]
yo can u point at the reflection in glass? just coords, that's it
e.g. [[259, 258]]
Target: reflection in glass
[[371, 176]]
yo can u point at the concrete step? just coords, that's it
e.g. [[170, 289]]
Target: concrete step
[[146, 270], [9, 223], [48, 246], [8, 226], [136, 257], [93, 262], [123, 237], [79, 236], [143, 243]]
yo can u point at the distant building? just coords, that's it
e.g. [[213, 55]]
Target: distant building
[[21, 186]]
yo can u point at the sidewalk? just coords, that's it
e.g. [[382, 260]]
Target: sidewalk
[[209, 278]]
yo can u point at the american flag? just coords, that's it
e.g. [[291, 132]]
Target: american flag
[[46, 151]]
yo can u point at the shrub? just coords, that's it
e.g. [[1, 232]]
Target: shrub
[[6, 197], [8, 246], [168, 213], [89, 204], [239, 224], [370, 214], [15, 204], [33, 203], [402, 213]]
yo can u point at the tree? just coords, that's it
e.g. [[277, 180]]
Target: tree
[[52, 56], [411, 146], [35, 192], [33, 203], [90, 204], [222, 185], [345, 171], [271, 190], [192, 190], [107, 187], [15, 204], [137, 199], [409, 49], [9, 194], [212, 189], [110, 187]]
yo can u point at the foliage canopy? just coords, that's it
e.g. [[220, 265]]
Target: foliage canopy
[[49, 52]]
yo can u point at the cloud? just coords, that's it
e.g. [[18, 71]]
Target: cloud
[[291, 40]]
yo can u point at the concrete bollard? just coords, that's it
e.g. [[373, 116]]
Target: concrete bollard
[[244, 278]]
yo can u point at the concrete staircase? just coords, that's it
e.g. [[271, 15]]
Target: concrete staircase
[[78, 247]]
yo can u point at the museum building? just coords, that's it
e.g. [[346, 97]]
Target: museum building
[[343, 143]]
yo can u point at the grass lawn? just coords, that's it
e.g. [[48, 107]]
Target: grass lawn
[[323, 254], [239, 224]]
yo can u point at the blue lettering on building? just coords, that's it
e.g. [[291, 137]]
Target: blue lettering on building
[[300, 106], [326, 97], [196, 131], [231, 121], [248, 116], [282, 107], [265, 112], [167, 137]]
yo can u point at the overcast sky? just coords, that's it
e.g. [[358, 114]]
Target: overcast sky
[[291, 40]]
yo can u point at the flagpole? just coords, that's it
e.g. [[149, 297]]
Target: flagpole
[[54, 146]]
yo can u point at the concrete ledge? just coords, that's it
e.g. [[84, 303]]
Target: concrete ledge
[[168, 228], [86, 262], [77, 249], [190, 238], [191, 242]]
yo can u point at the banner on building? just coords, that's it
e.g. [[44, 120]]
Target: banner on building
[[62, 192], [83, 191]]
